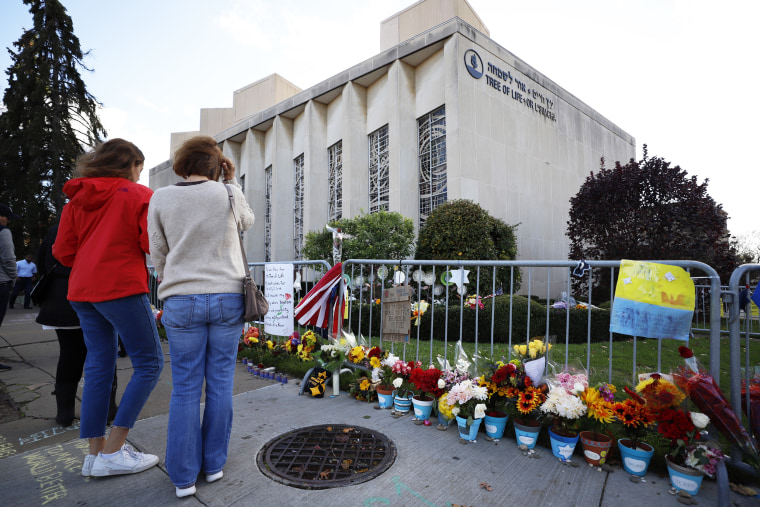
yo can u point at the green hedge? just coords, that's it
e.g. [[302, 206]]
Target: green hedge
[[600, 322]]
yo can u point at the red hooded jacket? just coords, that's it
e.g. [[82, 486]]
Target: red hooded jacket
[[103, 237]]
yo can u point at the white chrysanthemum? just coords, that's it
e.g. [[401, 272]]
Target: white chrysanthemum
[[455, 411], [700, 420], [441, 383], [480, 411], [480, 392], [397, 382], [390, 360], [570, 407]]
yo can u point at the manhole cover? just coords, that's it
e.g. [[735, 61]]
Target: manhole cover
[[326, 456]]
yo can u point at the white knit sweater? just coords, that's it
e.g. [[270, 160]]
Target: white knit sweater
[[193, 238]]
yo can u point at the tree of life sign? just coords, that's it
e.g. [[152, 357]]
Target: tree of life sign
[[397, 313]]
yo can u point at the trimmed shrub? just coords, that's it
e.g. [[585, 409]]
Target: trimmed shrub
[[443, 324]]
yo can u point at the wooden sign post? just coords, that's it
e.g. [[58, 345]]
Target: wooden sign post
[[397, 313]]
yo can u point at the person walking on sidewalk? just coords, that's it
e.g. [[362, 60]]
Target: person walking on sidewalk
[[7, 263], [25, 269], [195, 249], [103, 237], [56, 313]]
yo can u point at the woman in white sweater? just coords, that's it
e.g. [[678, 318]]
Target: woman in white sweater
[[196, 253]]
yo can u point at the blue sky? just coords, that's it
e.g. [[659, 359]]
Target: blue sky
[[678, 75]]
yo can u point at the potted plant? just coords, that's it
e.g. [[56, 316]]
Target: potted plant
[[688, 459], [596, 442], [400, 372], [467, 402], [501, 381], [449, 378], [426, 383], [382, 377], [566, 408], [634, 420]]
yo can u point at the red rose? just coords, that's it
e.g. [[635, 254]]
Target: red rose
[[685, 352]]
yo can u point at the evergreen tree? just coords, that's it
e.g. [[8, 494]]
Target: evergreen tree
[[50, 119]]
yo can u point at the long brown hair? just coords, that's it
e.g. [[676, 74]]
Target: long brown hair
[[115, 158]]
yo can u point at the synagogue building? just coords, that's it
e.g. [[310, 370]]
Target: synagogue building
[[441, 113]]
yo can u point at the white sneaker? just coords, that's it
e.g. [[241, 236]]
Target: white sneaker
[[214, 477], [183, 492], [125, 461], [87, 467]]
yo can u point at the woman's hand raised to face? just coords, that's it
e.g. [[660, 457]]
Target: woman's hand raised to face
[[228, 170]]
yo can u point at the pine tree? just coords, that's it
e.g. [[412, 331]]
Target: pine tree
[[50, 119]]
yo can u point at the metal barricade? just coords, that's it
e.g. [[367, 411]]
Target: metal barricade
[[367, 279], [741, 371]]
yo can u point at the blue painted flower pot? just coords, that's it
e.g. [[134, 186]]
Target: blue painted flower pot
[[684, 478], [526, 434], [402, 404], [562, 446], [472, 432], [384, 396], [495, 425], [635, 461], [443, 421], [423, 406]]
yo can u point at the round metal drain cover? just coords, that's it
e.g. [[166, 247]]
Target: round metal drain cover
[[326, 456]]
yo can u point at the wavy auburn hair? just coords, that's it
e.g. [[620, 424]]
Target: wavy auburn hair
[[115, 159], [201, 156]]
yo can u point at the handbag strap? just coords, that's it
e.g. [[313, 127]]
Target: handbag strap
[[237, 226]]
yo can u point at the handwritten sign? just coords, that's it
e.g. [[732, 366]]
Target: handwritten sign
[[653, 300], [278, 288], [397, 313]]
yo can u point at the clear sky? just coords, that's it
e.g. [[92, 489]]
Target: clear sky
[[678, 75]]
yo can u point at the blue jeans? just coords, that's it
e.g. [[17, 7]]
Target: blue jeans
[[102, 323], [204, 331]]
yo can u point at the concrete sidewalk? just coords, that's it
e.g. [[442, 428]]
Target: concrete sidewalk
[[41, 462]]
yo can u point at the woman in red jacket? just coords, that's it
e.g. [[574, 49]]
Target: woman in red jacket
[[103, 237]]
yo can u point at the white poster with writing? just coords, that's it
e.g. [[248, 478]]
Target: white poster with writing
[[278, 288]]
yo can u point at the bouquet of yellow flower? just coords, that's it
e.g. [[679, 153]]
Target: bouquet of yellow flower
[[599, 403], [533, 357], [536, 348]]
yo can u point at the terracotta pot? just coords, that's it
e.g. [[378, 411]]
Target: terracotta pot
[[596, 447], [385, 389]]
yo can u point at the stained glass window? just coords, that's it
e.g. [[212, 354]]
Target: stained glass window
[[431, 132], [378, 170]]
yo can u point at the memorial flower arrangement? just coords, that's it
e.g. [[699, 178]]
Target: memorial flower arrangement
[[707, 396], [504, 382], [659, 393], [418, 310], [361, 388], [428, 382], [566, 408], [633, 418], [251, 337], [468, 400], [346, 348], [400, 373], [704, 457], [599, 402], [382, 369], [535, 349]]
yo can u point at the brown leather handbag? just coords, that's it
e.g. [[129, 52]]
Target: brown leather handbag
[[256, 305]]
